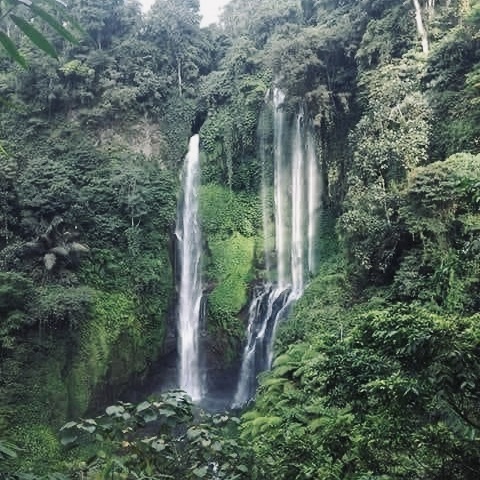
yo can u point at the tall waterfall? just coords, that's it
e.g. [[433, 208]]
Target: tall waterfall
[[297, 201], [298, 179], [281, 180], [190, 293], [314, 202]]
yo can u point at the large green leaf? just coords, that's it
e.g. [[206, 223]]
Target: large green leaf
[[53, 22], [34, 35], [65, 16], [11, 49], [200, 472], [55, 3], [115, 410], [7, 450]]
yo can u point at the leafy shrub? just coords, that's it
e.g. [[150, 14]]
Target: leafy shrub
[[394, 393], [163, 436], [64, 306], [441, 214], [39, 449], [15, 292]]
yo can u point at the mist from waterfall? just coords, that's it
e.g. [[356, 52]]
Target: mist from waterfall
[[190, 290], [314, 201], [296, 186]]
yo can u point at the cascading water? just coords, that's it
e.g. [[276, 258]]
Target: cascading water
[[267, 213], [280, 182], [266, 307], [190, 292], [314, 202], [296, 192], [298, 209], [254, 352]]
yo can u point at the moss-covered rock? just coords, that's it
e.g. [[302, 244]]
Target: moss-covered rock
[[231, 271], [230, 226]]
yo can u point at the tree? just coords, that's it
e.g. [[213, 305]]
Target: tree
[[389, 141], [176, 26]]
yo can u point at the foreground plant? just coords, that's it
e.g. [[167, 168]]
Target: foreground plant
[[163, 438]]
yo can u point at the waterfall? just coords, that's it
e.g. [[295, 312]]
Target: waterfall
[[298, 208], [296, 192], [314, 202], [268, 232], [254, 350], [190, 292], [280, 181], [266, 307]]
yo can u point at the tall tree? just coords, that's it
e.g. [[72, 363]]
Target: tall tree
[[175, 25]]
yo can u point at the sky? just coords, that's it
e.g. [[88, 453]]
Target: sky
[[209, 9]]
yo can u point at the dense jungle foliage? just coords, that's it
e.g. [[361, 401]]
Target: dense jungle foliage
[[377, 372]]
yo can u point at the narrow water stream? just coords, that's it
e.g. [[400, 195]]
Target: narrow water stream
[[190, 291]]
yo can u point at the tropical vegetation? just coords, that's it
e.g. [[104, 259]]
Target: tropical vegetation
[[376, 372]]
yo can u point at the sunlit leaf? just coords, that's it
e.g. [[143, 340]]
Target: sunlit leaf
[[68, 439], [149, 417], [143, 406], [166, 413], [200, 472], [69, 425], [3, 151], [114, 410], [193, 433], [7, 450], [217, 446], [87, 428]]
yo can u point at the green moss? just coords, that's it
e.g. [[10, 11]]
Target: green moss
[[56, 372], [224, 212], [114, 320], [116, 344], [31, 388], [231, 271], [230, 225]]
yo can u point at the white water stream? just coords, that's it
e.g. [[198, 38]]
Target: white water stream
[[314, 202], [297, 202], [280, 185], [190, 293], [298, 179]]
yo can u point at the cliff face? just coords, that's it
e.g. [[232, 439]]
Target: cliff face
[[87, 283]]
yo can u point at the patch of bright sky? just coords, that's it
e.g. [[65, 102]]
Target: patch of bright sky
[[209, 9]]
